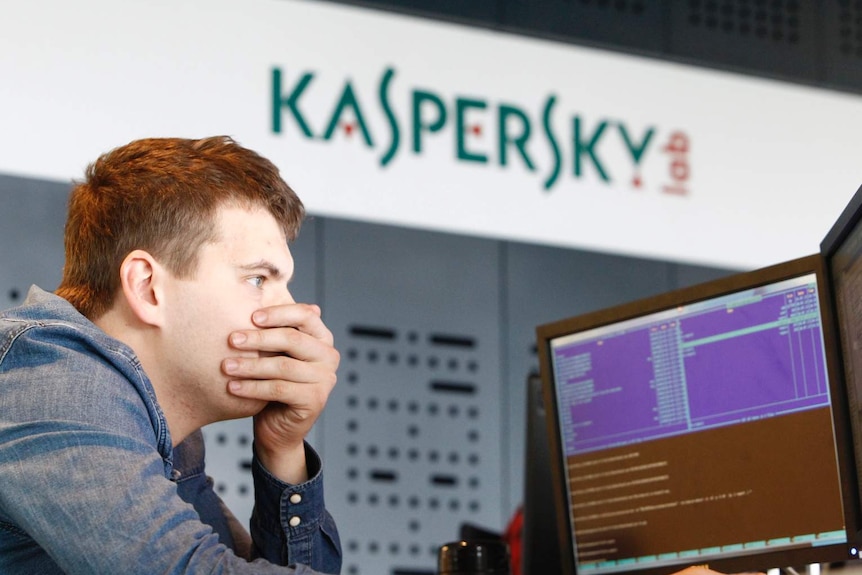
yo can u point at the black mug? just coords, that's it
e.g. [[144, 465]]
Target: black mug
[[474, 557]]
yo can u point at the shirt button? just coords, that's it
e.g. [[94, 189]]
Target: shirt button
[[294, 521], [295, 498]]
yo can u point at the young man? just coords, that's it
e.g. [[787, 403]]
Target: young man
[[173, 312]]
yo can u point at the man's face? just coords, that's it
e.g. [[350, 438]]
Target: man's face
[[245, 270]]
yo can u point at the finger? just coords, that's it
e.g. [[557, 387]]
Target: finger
[[271, 337], [286, 341], [274, 339], [267, 390], [286, 392], [304, 317], [281, 367]]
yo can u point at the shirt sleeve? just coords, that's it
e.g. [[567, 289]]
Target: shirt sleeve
[[196, 488], [290, 523], [85, 488]]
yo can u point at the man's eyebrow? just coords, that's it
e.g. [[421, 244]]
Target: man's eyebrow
[[270, 268]]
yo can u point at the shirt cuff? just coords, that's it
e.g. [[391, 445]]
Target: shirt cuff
[[286, 515]]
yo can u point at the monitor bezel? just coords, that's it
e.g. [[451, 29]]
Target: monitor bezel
[[846, 224], [840, 416], [843, 226]]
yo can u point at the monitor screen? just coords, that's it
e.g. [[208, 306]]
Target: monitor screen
[[702, 426]]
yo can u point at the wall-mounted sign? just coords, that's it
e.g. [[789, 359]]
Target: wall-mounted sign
[[399, 120]]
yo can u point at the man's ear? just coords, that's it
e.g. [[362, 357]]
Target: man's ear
[[141, 279]]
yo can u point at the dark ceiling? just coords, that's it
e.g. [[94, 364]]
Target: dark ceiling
[[814, 42]]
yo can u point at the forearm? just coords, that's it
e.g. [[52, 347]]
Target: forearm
[[290, 524], [124, 514], [287, 465]]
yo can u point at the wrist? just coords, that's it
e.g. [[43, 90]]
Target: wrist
[[287, 464]]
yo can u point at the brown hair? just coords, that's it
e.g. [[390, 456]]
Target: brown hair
[[161, 195]]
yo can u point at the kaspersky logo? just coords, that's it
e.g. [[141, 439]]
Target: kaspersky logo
[[577, 147]]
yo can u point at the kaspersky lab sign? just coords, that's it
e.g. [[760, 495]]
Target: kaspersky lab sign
[[459, 129], [548, 142]]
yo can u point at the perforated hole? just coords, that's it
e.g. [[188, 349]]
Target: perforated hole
[[229, 451], [850, 28], [636, 7], [413, 423], [773, 20]]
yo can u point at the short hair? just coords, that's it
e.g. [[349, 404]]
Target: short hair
[[161, 195]]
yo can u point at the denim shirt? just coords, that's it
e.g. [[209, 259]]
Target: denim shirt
[[89, 481]]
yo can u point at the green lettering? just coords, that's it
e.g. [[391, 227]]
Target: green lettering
[[290, 102], [461, 107], [552, 140], [348, 100], [520, 142], [420, 98], [588, 148], [637, 151], [390, 115]]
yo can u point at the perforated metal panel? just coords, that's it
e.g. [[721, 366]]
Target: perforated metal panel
[[777, 22], [689, 275], [633, 23], [32, 217], [413, 432], [774, 38], [228, 459], [809, 42], [546, 284], [842, 43]]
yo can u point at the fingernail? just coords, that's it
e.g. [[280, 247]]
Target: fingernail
[[259, 317], [238, 338], [231, 365], [234, 386]]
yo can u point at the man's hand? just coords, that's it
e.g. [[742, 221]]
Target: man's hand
[[295, 373]]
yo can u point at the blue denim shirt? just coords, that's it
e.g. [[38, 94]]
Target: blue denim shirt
[[89, 481]]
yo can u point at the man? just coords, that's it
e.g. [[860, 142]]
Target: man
[[173, 312]]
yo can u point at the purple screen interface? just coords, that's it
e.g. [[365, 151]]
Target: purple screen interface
[[736, 358]]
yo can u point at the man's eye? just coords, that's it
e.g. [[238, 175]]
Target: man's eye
[[256, 281]]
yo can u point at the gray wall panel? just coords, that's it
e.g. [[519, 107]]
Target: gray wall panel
[[547, 284], [689, 275], [32, 215], [413, 447]]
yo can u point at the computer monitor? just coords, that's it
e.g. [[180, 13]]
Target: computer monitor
[[540, 551], [842, 250], [703, 426]]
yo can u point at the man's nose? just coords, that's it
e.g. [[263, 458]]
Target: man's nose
[[285, 297]]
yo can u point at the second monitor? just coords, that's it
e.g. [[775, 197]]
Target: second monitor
[[705, 425]]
